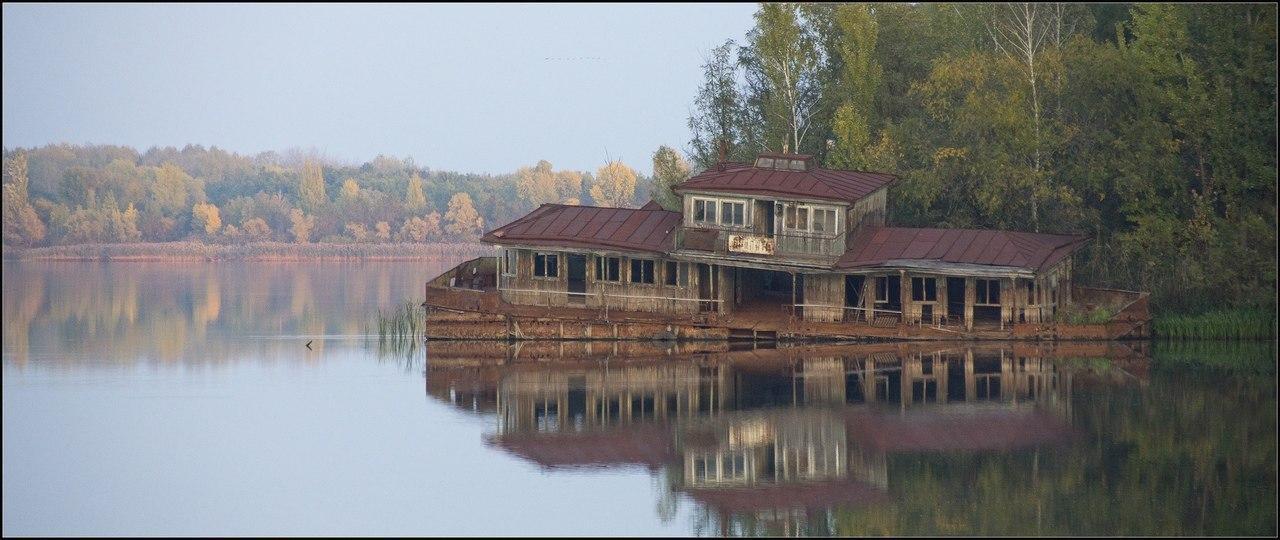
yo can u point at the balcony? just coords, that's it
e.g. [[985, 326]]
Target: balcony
[[809, 247]]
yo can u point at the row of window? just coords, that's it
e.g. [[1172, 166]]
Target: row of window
[[808, 218], [547, 265], [925, 289]]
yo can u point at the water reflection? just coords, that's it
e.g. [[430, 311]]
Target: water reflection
[[883, 439], [75, 313]]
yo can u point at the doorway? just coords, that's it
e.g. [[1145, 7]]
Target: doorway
[[706, 287], [955, 299], [853, 296], [577, 278]]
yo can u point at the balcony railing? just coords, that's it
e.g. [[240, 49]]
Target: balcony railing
[[750, 243]]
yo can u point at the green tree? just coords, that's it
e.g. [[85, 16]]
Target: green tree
[[717, 117], [311, 194], [783, 64], [857, 87], [669, 169]]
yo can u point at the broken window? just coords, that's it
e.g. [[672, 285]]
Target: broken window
[[642, 271], [607, 269], [546, 265]]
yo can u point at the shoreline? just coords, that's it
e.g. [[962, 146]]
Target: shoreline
[[257, 251]]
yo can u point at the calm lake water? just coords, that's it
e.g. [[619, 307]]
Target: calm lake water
[[157, 399]]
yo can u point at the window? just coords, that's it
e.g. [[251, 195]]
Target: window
[[608, 269], [642, 271], [764, 162], [882, 289], [924, 289], [733, 213], [807, 218], [824, 220], [988, 292], [672, 274], [546, 265], [509, 262], [797, 165], [1031, 293], [704, 211]]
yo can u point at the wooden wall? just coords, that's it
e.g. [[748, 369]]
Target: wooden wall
[[553, 291], [824, 289], [869, 211]]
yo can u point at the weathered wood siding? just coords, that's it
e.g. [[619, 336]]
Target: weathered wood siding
[[868, 211], [526, 289], [824, 290]]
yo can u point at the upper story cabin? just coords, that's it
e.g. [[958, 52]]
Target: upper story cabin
[[781, 210]]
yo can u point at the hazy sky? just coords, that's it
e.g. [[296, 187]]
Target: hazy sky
[[483, 88]]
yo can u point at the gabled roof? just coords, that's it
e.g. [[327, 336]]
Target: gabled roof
[[816, 183], [896, 246], [559, 225]]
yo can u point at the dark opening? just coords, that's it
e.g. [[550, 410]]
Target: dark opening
[[955, 299], [577, 266], [889, 292]]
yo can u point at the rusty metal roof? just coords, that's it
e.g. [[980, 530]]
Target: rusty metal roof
[[816, 183], [887, 246], [559, 225]]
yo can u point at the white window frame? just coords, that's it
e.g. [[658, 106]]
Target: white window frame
[[719, 203], [602, 269], [810, 210]]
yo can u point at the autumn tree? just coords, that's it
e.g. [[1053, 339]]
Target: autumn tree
[[462, 220], [22, 226], [415, 200], [614, 185], [301, 226], [256, 230], [669, 169], [206, 216], [382, 230], [537, 184]]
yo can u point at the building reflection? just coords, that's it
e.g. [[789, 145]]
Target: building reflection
[[771, 437]]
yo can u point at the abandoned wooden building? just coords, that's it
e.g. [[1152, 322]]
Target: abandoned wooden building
[[782, 237]]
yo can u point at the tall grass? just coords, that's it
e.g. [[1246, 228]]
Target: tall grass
[[403, 323], [1233, 323]]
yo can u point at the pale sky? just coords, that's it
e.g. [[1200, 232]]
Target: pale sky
[[475, 88]]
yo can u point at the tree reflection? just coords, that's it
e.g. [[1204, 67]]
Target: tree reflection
[[85, 313]]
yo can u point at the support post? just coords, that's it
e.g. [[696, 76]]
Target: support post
[[970, 294]]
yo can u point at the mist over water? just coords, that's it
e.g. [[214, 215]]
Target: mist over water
[[162, 398]]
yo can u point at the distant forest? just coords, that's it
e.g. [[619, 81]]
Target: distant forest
[[67, 194], [1150, 127]]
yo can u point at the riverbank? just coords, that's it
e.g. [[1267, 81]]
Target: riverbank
[[260, 251]]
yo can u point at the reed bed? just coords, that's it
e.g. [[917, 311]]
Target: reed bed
[[1226, 324]]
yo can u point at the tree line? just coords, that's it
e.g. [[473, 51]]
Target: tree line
[[68, 194], [1149, 127]]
